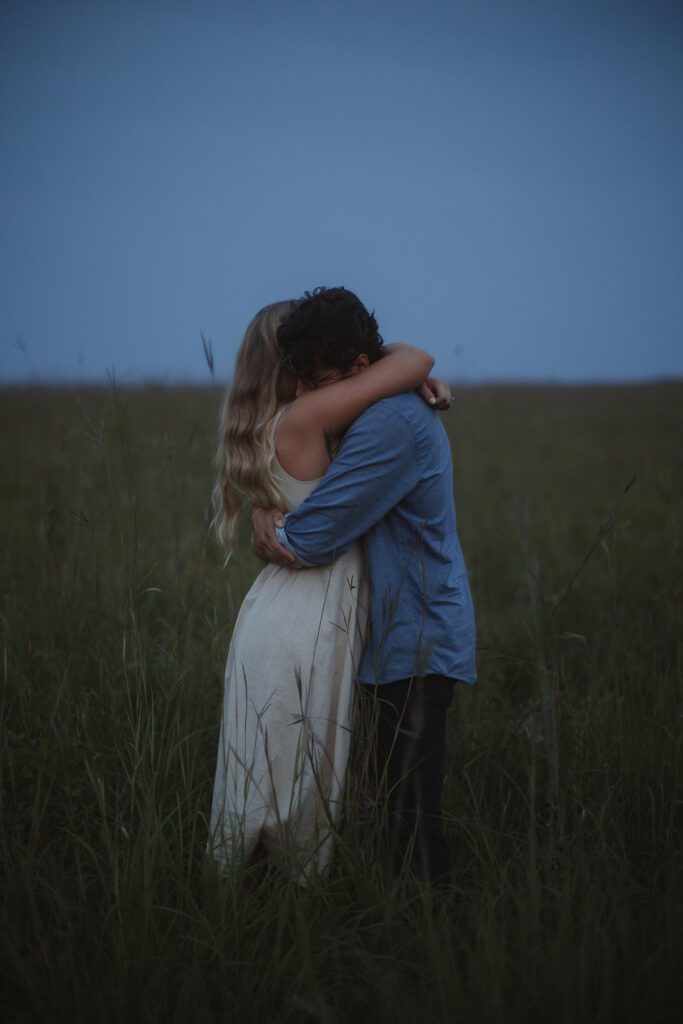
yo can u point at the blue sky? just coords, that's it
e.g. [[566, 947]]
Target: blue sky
[[501, 181]]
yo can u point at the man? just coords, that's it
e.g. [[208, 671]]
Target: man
[[391, 483]]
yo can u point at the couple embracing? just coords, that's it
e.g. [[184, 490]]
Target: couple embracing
[[363, 609]]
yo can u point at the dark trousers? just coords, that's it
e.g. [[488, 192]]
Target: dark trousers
[[406, 723]]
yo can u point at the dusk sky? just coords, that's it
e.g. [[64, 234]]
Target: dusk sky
[[501, 181]]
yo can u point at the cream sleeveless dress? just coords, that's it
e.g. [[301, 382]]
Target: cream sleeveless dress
[[289, 690]]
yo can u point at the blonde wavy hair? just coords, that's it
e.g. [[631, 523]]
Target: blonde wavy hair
[[260, 387]]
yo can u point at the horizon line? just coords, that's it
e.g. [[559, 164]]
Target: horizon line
[[139, 383]]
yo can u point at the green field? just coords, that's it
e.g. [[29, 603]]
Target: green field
[[564, 790]]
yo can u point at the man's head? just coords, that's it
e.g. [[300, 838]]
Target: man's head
[[329, 329]]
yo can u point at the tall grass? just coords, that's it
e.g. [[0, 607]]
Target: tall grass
[[563, 789]]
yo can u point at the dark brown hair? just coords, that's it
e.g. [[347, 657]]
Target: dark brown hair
[[328, 329]]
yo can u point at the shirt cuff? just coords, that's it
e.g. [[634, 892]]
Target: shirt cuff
[[282, 537]]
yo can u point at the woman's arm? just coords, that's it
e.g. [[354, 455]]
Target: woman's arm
[[332, 408]]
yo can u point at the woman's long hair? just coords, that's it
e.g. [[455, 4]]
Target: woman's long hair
[[246, 447]]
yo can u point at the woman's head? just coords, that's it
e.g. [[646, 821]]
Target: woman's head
[[328, 329], [260, 386], [258, 363]]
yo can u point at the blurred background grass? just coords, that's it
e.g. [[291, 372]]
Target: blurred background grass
[[563, 789]]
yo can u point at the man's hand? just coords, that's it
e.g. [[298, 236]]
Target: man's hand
[[264, 543], [436, 392]]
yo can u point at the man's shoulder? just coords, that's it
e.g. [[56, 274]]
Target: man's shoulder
[[388, 424], [407, 415], [399, 408], [402, 421]]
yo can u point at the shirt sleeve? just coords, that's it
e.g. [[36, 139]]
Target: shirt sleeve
[[372, 471], [282, 537]]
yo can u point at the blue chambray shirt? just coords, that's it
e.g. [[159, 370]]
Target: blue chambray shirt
[[391, 483]]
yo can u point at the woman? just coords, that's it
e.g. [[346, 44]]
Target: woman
[[285, 733]]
